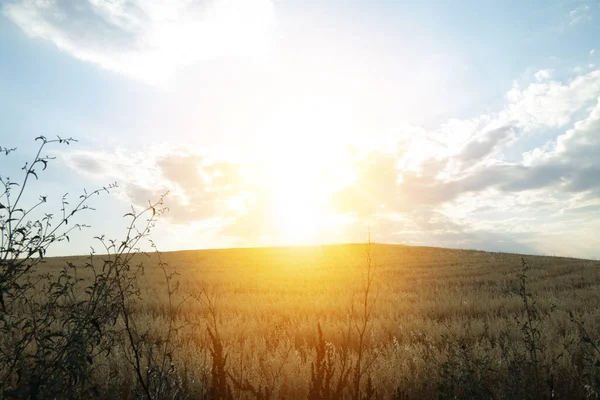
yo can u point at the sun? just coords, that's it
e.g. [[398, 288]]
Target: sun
[[299, 201], [300, 188], [298, 217], [300, 184], [305, 160]]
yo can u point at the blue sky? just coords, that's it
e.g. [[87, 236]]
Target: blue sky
[[470, 124]]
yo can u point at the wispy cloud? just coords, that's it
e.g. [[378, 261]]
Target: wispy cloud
[[148, 39], [579, 14]]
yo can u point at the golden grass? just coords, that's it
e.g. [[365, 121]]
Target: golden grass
[[269, 302]]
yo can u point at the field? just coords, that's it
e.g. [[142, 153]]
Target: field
[[435, 323]]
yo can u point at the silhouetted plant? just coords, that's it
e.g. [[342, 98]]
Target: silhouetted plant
[[55, 329], [321, 371], [219, 388], [370, 392], [351, 374], [362, 324], [221, 374], [151, 357], [464, 373], [51, 331], [530, 326], [590, 355], [259, 392]]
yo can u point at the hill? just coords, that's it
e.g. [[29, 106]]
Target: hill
[[435, 322]]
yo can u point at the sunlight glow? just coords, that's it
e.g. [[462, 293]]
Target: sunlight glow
[[303, 165], [299, 198], [298, 218]]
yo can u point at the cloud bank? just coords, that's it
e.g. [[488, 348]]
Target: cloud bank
[[524, 179], [148, 39]]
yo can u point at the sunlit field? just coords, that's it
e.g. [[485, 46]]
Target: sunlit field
[[444, 323], [263, 200]]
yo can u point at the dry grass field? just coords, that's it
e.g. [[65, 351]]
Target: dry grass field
[[440, 323]]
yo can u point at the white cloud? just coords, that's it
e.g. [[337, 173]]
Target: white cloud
[[543, 75], [550, 103], [592, 52], [579, 14], [199, 187], [489, 202], [148, 39]]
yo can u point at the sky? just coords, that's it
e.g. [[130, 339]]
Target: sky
[[463, 124]]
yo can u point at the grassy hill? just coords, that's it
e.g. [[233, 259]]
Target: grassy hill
[[436, 323]]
